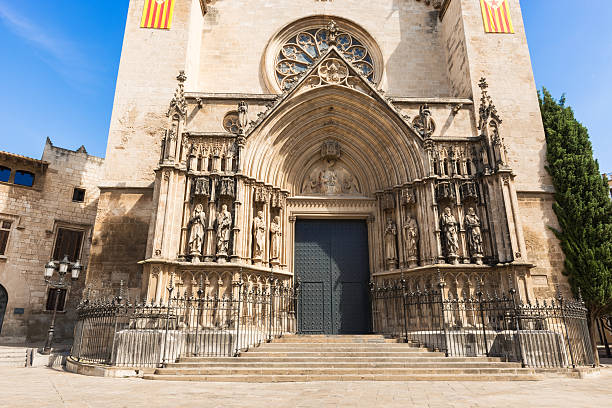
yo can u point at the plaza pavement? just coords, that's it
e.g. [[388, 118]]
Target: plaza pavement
[[46, 387]]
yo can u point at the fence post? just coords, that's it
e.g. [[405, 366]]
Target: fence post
[[372, 306], [569, 342], [443, 317], [484, 329], [239, 283], [270, 306], [404, 294], [170, 289], [199, 318], [517, 320]]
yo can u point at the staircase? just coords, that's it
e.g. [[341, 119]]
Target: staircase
[[341, 358], [13, 356]]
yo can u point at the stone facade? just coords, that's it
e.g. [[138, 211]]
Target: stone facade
[[35, 214], [384, 114]]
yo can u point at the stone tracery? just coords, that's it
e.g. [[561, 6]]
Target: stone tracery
[[304, 48]]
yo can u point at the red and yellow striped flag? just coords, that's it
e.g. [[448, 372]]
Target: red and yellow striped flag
[[157, 14], [496, 16]]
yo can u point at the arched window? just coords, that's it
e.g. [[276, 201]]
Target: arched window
[[303, 48], [24, 178], [5, 174]]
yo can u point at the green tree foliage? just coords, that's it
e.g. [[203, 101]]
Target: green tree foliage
[[583, 207]]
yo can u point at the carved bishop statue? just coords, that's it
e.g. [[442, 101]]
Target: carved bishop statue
[[390, 244], [276, 239], [451, 236], [411, 240], [259, 236], [196, 233], [474, 235], [224, 229]]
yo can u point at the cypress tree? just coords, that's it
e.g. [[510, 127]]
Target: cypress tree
[[582, 206]]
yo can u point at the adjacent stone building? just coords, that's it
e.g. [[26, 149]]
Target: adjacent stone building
[[47, 210], [272, 139]]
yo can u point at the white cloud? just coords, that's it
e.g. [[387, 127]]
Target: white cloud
[[61, 55]]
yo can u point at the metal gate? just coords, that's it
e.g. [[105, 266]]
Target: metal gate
[[3, 303], [332, 266]]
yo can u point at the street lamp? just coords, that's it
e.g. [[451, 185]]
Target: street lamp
[[62, 269]]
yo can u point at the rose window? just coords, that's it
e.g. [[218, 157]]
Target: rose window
[[302, 49]]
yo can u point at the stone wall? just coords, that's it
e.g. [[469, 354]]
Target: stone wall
[[36, 213]]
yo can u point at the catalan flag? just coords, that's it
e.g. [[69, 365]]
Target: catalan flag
[[496, 16], [157, 14]]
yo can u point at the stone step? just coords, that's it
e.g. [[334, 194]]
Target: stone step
[[345, 364], [339, 377], [348, 353], [337, 371], [408, 359], [13, 356], [310, 339], [341, 346]]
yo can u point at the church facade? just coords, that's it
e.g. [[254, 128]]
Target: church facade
[[331, 143]]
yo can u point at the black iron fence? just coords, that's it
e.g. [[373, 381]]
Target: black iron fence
[[543, 334], [120, 333]]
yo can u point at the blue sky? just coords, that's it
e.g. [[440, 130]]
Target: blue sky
[[61, 58]]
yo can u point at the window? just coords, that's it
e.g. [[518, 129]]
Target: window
[[68, 242], [5, 228], [52, 295], [78, 195], [24, 178], [5, 174], [303, 49]]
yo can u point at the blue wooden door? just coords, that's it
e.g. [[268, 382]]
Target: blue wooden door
[[331, 263]]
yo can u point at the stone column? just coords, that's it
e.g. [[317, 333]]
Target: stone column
[[236, 247], [212, 216]]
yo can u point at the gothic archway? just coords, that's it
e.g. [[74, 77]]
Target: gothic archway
[[378, 147]]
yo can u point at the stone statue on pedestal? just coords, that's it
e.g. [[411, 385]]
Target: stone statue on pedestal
[[196, 233], [450, 233], [224, 229], [390, 244], [411, 240], [259, 235], [474, 235], [276, 239]]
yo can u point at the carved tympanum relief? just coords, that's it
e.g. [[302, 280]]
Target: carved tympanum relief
[[329, 175]]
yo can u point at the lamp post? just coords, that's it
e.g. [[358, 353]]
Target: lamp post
[[62, 269]]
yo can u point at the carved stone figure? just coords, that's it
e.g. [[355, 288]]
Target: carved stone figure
[[423, 123], [451, 236], [390, 243], [197, 231], [259, 235], [201, 186], [276, 238], [224, 227], [411, 241], [474, 235], [330, 177], [329, 180]]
